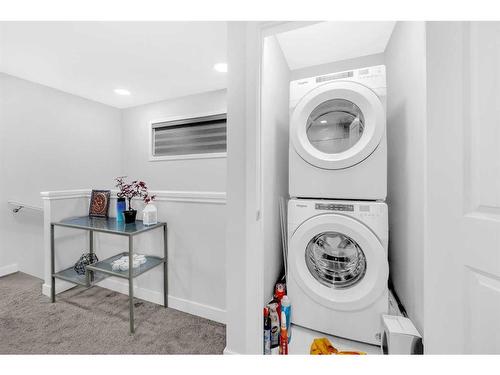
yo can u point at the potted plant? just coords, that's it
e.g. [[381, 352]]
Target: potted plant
[[129, 191]]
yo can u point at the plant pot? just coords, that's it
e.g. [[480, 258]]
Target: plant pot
[[129, 216]]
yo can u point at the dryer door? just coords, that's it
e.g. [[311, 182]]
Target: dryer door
[[338, 262], [337, 125]]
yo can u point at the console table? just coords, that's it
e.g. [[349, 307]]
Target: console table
[[102, 269]]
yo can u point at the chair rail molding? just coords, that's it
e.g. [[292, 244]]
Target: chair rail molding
[[212, 197]]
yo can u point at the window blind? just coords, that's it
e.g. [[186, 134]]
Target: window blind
[[199, 135]]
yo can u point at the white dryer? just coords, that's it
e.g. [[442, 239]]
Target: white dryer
[[338, 267], [338, 146]]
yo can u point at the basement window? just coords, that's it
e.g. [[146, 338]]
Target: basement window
[[189, 138]]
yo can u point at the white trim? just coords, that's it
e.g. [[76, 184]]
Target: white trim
[[271, 28], [190, 307], [213, 197], [184, 305], [61, 286], [9, 269], [212, 155], [65, 194], [198, 309], [227, 351]]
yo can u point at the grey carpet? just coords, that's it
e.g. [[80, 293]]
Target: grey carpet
[[95, 321]]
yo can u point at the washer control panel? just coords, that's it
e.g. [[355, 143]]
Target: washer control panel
[[334, 207]]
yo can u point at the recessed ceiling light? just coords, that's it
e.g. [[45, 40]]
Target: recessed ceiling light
[[121, 92], [323, 121], [221, 67]]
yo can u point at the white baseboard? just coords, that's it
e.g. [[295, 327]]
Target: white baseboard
[[142, 293], [7, 270], [227, 351], [61, 286], [198, 309], [190, 307]]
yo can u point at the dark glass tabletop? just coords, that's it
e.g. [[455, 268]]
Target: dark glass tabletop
[[110, 225]]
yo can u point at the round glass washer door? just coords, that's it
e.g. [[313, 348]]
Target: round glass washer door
[[335, 260], [338, 262], [337, 125]]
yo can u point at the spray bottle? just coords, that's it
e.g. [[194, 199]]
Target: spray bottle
[[286, 308], [267, 331], [275, 327], [283, 335]]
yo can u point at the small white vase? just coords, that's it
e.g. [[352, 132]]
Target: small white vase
[[150, 214]]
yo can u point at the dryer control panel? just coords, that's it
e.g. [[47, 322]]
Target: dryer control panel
[[334, 207]]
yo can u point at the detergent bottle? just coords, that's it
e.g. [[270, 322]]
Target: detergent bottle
[[286, 307], [283, 335]]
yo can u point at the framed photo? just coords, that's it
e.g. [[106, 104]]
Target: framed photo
[[99, 203]]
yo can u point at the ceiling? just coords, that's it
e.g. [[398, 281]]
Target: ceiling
[[327, 42], [153, 60]]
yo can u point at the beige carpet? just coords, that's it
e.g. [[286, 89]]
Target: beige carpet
[[95, 321]]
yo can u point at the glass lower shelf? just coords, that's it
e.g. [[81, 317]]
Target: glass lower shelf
[[70, 275], [105, 266]]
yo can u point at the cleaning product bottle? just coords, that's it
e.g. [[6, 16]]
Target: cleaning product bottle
[[275, 327], [267, 331], [279, 292], [283, 335], [286, 307]]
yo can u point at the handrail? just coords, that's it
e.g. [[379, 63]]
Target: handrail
[[18, 206]]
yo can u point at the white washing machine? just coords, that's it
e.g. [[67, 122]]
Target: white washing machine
[[338, 267], [338, 145]]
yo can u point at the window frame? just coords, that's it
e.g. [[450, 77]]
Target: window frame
[[210, 155]]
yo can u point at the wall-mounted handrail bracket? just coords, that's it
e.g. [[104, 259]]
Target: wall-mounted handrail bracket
[[17, 206]]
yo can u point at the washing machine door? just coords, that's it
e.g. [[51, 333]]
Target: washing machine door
[[338, 262], [337, 125]]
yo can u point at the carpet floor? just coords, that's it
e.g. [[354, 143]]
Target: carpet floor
[[95, 321]]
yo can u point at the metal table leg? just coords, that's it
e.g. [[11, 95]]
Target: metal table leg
[[52, 266], [165, 267], [131, 282], [90, 274]]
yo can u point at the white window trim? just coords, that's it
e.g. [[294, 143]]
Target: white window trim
[[212, 155]]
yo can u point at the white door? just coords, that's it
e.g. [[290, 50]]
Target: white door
[[338, 262], [337, 125], [462, 258]]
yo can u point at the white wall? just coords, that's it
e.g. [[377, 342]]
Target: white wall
[[194, 174], [54, 141], [196, 229], [274, 156], [49, 140], [405, 59], [244, 258], [338, 66]]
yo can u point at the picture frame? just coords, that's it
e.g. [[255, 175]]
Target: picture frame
[[99, 203]]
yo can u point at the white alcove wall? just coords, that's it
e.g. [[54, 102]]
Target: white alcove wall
[[274, 130], [405, 59]]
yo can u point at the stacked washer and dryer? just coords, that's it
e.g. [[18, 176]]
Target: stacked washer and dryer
[[337, 219]]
